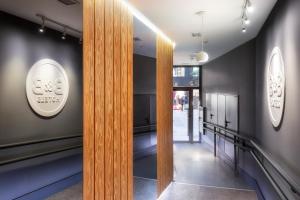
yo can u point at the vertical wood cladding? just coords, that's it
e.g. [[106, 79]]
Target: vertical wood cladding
[[164, 85], [108, 95]]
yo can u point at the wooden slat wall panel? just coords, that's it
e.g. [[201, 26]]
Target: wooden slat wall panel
[[124, 68], [88, 99], [108, 95], [99, 100], [130, 105], [109, 99], [117, 100], [164, 89]]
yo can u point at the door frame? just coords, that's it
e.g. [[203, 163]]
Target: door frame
[[190, 112]]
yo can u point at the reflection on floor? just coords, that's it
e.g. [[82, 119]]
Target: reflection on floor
[[144, 182], [196, 164], [145, 167], [145, 172], [198, 175], [71, 193], [178, 191], [144, 189]]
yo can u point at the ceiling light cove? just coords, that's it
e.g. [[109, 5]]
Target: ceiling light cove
[[147, 22], [223, 24]]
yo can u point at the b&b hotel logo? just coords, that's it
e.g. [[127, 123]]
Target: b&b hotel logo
[[276, 86], [47, 87]]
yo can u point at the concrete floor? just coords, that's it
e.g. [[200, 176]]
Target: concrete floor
[[72, 193], [144, 189], [178, 191], [198, 175], [146, 167], [196, 164]]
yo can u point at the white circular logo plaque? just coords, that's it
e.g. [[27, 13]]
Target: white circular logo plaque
[[276, 86], [47, 87]]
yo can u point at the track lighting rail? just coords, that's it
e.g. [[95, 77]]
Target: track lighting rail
[[64, 26]]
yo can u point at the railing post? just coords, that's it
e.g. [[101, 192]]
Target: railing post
[[235, 156], [215, 142]]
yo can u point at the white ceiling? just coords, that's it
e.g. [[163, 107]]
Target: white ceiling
[[27, 9], [177, 19]]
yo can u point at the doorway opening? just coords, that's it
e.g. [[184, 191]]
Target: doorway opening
[[186, 102], [194, 159]]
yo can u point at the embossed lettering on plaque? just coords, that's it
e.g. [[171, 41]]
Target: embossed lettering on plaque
[[276, 86], [47, 87]]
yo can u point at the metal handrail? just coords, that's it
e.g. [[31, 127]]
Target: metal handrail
[[145, 126], [294, 186], [242, 146], [232, 132], [252, 147]]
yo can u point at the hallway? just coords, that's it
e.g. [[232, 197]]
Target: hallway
[[149, 100], [200, 175]]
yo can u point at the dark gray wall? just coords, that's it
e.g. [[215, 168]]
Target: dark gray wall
[[234, 73], [22, 46], [144, 72], [282, 29]]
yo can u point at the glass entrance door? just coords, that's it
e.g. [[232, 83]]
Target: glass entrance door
[[181, 115], [196, 114]]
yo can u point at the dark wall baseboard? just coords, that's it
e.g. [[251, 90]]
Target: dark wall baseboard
[[52, 188], [253, 183]]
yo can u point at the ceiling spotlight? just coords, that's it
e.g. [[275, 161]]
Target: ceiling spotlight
[[42, 28], [244, 30], [249, 6], [64, 34], [246, 21]]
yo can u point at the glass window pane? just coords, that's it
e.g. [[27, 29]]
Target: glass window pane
[[186, 76]]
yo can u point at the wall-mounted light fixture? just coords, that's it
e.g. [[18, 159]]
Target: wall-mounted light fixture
[[42, 28], [64, 34], [249, 5], [246, 20]]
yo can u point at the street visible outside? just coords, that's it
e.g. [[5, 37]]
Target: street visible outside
[[180, 116]]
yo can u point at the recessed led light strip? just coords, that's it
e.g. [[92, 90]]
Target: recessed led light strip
[[147, 22]]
